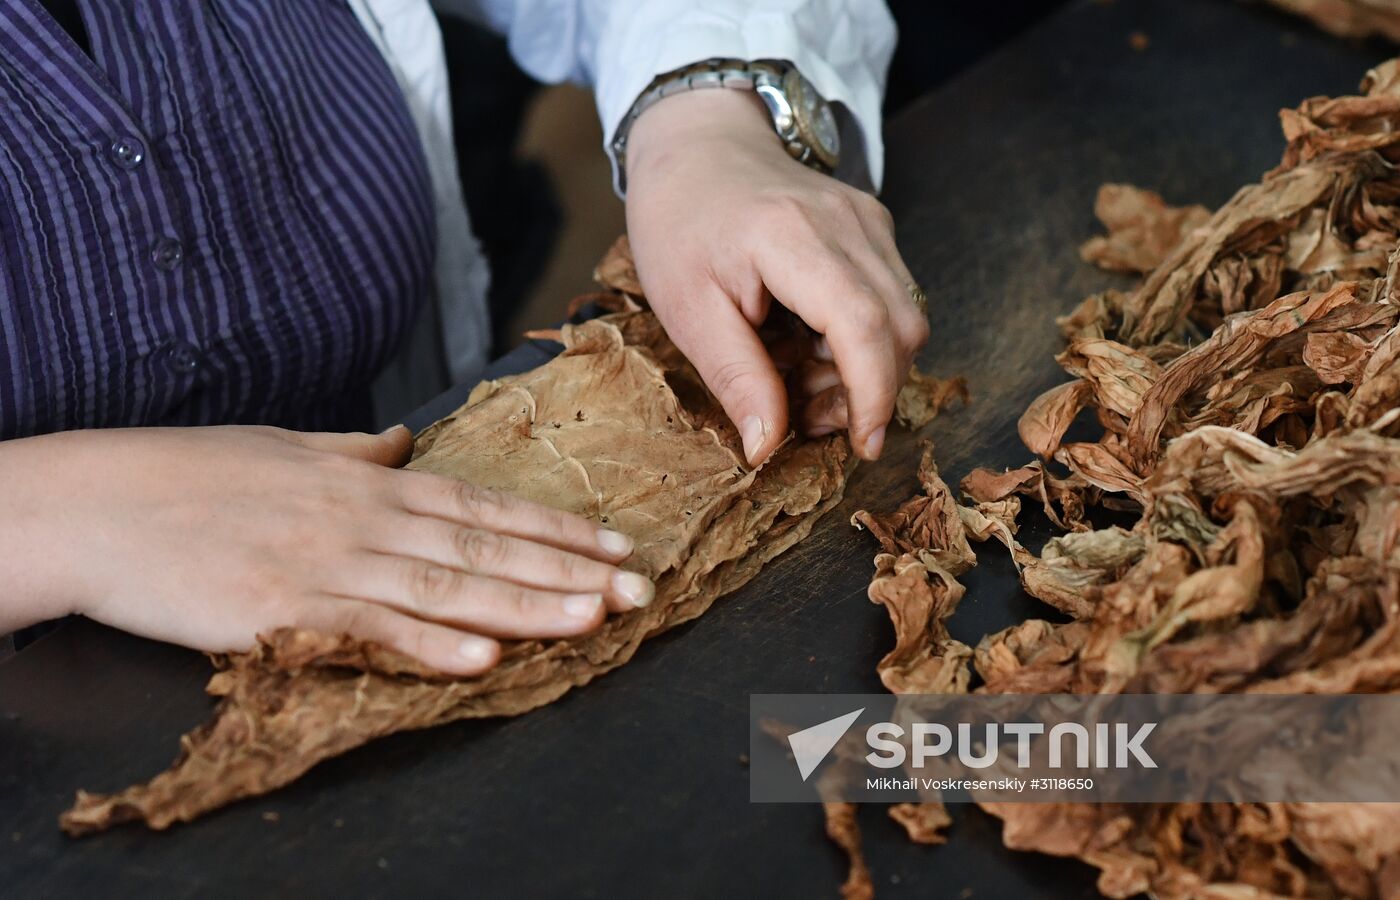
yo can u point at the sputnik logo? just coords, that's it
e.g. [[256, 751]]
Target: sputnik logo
[[811, 745]]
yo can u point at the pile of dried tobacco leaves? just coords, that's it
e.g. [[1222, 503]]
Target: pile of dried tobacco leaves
[[1246, 392]]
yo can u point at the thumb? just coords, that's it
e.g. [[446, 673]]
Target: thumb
[[735, 365], [391, 447]]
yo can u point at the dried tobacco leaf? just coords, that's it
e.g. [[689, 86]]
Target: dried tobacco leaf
[[1142, 228], [842, 828], [616, 428], [920, 595], [1044, 423], [924, 823], [1254, 220], [929, 523], [919, 589], [616, 271], [923, 397]]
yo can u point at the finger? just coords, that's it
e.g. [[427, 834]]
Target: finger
[[477, 507], [878, 226], [871, 369], [909, 324], [815, 377], [521, 561], [825, 413], [388, 448], [821, 349], [734, 364], [437, 646], [833, 296], [489, 606]]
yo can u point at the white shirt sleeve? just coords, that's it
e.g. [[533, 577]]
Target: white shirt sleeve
[[842, 46]]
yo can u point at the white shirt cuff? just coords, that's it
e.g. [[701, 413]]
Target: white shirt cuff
[[846, 64]]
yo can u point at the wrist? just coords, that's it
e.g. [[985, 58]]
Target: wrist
[[695, 121], [38, 576]]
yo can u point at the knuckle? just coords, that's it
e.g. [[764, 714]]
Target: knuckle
[[832, 197], [340, 468], [919, 333], [428, 585], [843, 204], [417, 643], [730, 378], [573, 569], [511, 604], [875, 210], [481, 549], [868, 317], [358, 621], [479, 504]]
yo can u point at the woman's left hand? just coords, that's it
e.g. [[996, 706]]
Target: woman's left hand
[[722, 222]]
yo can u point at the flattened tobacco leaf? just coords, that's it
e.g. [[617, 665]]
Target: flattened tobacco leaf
[[604, 430]]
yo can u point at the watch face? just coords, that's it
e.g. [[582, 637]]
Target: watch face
[[817, 123], [818, 115]]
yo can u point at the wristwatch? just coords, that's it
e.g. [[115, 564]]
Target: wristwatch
[[801, 116]]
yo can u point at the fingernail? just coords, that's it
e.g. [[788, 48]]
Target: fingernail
[[583, 606], [635, 589], [615, 543], [875, 443], [752, 431], [477, 651], [391, 429]]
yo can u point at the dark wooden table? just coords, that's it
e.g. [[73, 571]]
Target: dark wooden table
[[633, 786]]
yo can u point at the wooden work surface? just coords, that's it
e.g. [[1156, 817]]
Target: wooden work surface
[[634, 786]]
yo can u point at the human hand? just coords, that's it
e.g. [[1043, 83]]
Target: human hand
[[722, 221], [209, 536]]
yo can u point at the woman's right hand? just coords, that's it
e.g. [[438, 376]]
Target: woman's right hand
[[208, 537]]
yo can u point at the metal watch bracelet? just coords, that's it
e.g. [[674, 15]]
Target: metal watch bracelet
[[713, 73]]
